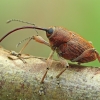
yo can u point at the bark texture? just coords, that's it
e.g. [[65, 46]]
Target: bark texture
[[21, 81]]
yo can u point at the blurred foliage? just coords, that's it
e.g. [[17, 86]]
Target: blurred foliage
[[80, 16]]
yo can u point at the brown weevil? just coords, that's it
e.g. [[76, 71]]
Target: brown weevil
[[68, 45]]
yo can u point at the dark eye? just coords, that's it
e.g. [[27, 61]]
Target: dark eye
[[50, 31]]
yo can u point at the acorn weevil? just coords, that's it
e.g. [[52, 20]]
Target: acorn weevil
[[68, 45]]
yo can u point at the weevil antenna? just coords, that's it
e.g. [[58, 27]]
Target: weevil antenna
[[9, 21], [25, 27], [22, 41]]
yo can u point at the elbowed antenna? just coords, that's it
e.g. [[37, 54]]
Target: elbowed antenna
[[25, 27], [17, 20]]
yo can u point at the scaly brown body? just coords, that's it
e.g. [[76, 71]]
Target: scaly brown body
[[70, 45]]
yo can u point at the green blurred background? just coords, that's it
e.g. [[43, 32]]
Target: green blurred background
[[81, 16]]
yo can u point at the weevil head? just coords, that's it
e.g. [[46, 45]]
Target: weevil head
[[57, 35]]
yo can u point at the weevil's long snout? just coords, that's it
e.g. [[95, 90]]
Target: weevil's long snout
[[25, 27]]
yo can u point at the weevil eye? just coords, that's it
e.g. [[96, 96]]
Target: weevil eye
[[50, 31]]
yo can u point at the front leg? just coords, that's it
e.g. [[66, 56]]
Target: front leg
[[37, 39]]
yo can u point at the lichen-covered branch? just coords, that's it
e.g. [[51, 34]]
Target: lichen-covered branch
[[21, 81]]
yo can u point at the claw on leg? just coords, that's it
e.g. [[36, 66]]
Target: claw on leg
[[42, 89], [17, 55]]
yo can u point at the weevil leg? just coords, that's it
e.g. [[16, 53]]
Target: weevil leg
[[65, 64], [49, 62], [37, 39], [86, 53], [20, 52], [97, 55], [17, 55]]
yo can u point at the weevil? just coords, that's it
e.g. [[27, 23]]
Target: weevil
[[68, 45]]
